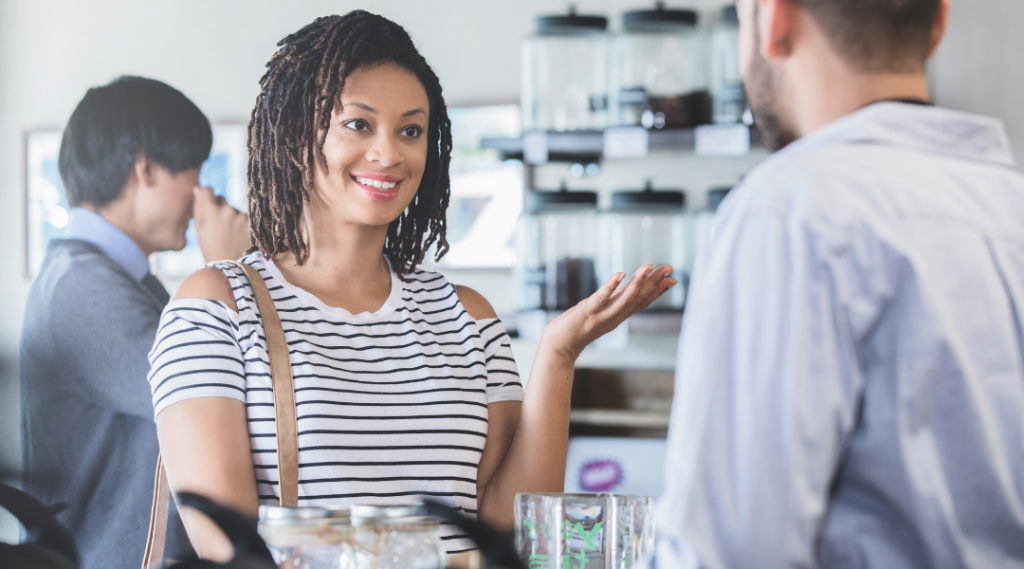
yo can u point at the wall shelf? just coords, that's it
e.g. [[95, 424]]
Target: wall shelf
[[588, 146], [628, 418], [655, 351]]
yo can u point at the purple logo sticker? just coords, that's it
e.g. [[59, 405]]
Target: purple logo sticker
[[600, 475]]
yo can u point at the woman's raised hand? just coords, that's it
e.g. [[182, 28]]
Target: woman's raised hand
[[603, 311]]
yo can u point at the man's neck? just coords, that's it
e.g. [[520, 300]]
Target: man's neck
[[118, 215], [826, 89]]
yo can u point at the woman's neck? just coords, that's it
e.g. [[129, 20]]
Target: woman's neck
[[345, 267]]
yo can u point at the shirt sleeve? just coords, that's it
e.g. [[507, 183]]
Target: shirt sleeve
[[196, 354], [502, 374], [767, 391]]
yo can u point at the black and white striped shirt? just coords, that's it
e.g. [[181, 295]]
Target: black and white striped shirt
[[391, 405]]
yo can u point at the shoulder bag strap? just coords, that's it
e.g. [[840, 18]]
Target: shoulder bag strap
[[284, 409]]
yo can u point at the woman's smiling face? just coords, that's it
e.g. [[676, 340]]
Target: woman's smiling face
[[376, 147]]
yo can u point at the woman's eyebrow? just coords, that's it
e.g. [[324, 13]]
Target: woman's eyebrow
[[372, 110]]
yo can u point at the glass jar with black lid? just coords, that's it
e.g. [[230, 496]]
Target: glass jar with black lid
[[312, 538], [727, 91], [644, 227], [565, 74], [397, 537], [660, 70], [556, 246]]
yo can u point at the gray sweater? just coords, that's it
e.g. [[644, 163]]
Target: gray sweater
[[88, 435]]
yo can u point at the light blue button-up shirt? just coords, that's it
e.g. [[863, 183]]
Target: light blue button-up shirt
[[850, 384], [93, 228]]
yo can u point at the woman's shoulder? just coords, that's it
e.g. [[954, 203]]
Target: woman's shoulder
[[426, 286], [475, 304], [213, 282]]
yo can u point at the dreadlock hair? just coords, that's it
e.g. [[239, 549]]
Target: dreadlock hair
[[289, 124]]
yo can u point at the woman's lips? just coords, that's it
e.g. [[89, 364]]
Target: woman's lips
[[380, 194]]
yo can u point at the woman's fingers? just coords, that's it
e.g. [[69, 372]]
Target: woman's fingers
[[649, 291], [607, 289]]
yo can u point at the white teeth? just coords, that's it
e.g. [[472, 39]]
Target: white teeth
[[377, 183]]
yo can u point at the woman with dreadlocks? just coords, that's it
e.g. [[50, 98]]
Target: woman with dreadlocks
[[404, 384]]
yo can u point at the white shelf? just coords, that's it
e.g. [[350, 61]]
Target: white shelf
[[655, 351], [620, 418]]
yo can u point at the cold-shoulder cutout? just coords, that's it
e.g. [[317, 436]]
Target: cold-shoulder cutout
[[475, 304], [208, 283]]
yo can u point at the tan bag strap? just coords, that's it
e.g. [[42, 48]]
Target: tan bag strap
[[157, 518], [284, 410]]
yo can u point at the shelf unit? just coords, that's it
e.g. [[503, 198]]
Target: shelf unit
[[588, 146], [633, 419], [642, 352]]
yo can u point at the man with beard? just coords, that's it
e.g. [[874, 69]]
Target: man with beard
[[850, 388]]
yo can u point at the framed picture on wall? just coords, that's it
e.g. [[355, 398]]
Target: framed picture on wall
[[46, 206], [47, 211], [486, 191]]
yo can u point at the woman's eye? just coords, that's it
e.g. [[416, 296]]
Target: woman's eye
[[357, 124], [412, 131]]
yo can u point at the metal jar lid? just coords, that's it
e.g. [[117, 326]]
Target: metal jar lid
[[660, 19], [571, 24], [403, 514], [730, 16], [648, 199], [563, 199], [298, 516], [715, 197]]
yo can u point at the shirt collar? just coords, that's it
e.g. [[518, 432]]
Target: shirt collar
[[93, 228], [929, 129]]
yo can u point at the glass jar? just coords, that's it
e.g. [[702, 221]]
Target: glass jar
[[730, 97], [583, 531], [660, 73], [564, 74], [308, 538], [645, 227], [557, 247], [397, 537], [704, 226]]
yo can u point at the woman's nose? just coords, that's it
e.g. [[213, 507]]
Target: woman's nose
[[384, 151]]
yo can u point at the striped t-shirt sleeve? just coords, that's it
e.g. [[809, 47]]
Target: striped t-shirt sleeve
[[196, 354], [502, 374]]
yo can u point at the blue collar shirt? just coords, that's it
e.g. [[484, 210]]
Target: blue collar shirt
[[91, 227], [850, 382]]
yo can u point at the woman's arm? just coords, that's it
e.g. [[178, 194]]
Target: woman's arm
[[527, 444], [205, 443]]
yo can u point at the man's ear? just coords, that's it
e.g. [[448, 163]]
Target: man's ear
[[144, 170], [939, 29], [776, 25]]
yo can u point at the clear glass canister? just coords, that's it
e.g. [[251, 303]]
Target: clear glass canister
[[565, 74], [557, 249], [730, 97], [397, 537], [704, 226], [646, 227], [308, 538], [660, 76], [583, 531]]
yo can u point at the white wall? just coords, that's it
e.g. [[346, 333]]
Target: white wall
[[51, 51]]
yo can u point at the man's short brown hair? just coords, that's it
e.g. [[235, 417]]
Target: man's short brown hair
[[877, 35]]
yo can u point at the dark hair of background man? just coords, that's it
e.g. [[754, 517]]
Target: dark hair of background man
[[877, 35], [114, 123]]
